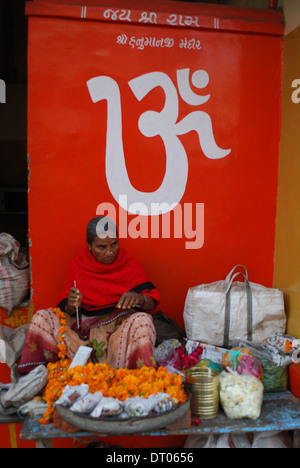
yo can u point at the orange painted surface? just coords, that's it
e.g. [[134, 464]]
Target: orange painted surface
[[234, 62], [67, 140], [287, 247]]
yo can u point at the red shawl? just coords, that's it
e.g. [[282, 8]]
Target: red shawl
[[103, 284]]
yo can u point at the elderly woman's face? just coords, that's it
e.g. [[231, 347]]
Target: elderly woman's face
[[104, 249]]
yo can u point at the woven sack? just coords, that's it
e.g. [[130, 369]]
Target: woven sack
[[217, 313], [14, 273]]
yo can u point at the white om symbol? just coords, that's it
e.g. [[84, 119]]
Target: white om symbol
[[151, 124]]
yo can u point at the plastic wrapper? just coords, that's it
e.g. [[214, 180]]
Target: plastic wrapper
[[281, 342], [11, 343], [275, 376], [242, 361], [107, 407], [88, 403], [213, 353], [71, 394], [81, 357], [164, 403], [241, 396], [280, 347], [207, 363], [173, 356], [165, 354], [139, 406]]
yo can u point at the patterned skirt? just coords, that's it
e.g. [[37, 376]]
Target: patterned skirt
[[120, 339]]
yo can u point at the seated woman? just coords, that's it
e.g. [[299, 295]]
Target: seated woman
[[114, 297]]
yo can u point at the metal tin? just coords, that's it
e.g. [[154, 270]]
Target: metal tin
[[203, 363], [204, 387]]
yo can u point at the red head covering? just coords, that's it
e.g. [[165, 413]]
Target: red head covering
[[103, 284]]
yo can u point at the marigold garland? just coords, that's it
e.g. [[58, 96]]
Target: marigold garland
[[62, 348]]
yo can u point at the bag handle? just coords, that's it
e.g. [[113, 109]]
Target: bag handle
[[229, 285], [228, 308], [228, 277]]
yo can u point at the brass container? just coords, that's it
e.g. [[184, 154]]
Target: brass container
[[204, 387]]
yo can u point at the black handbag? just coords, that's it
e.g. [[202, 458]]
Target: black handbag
[[166, 328]]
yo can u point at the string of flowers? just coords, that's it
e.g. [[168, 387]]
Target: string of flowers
[[62, 348], [57, 370]]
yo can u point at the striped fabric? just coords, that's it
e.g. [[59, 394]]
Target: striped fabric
[[14, 273]]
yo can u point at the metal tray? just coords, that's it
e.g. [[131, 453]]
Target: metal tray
[[115, 426]]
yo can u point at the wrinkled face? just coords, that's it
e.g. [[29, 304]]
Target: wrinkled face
[[105, 249]]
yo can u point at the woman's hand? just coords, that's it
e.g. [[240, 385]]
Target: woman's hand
[[74, 300], [131, 299]]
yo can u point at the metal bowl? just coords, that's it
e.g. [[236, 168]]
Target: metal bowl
[[117, 426]]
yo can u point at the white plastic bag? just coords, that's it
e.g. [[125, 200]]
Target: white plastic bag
[[81, 357], [215, 313], [87, 404], [139, 406], [241, 396], [107, 407], [71, 394], [11, 343]]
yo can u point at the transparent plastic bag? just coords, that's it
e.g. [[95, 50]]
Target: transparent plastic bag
[[242, 361], [275, 376], [241, 396]]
